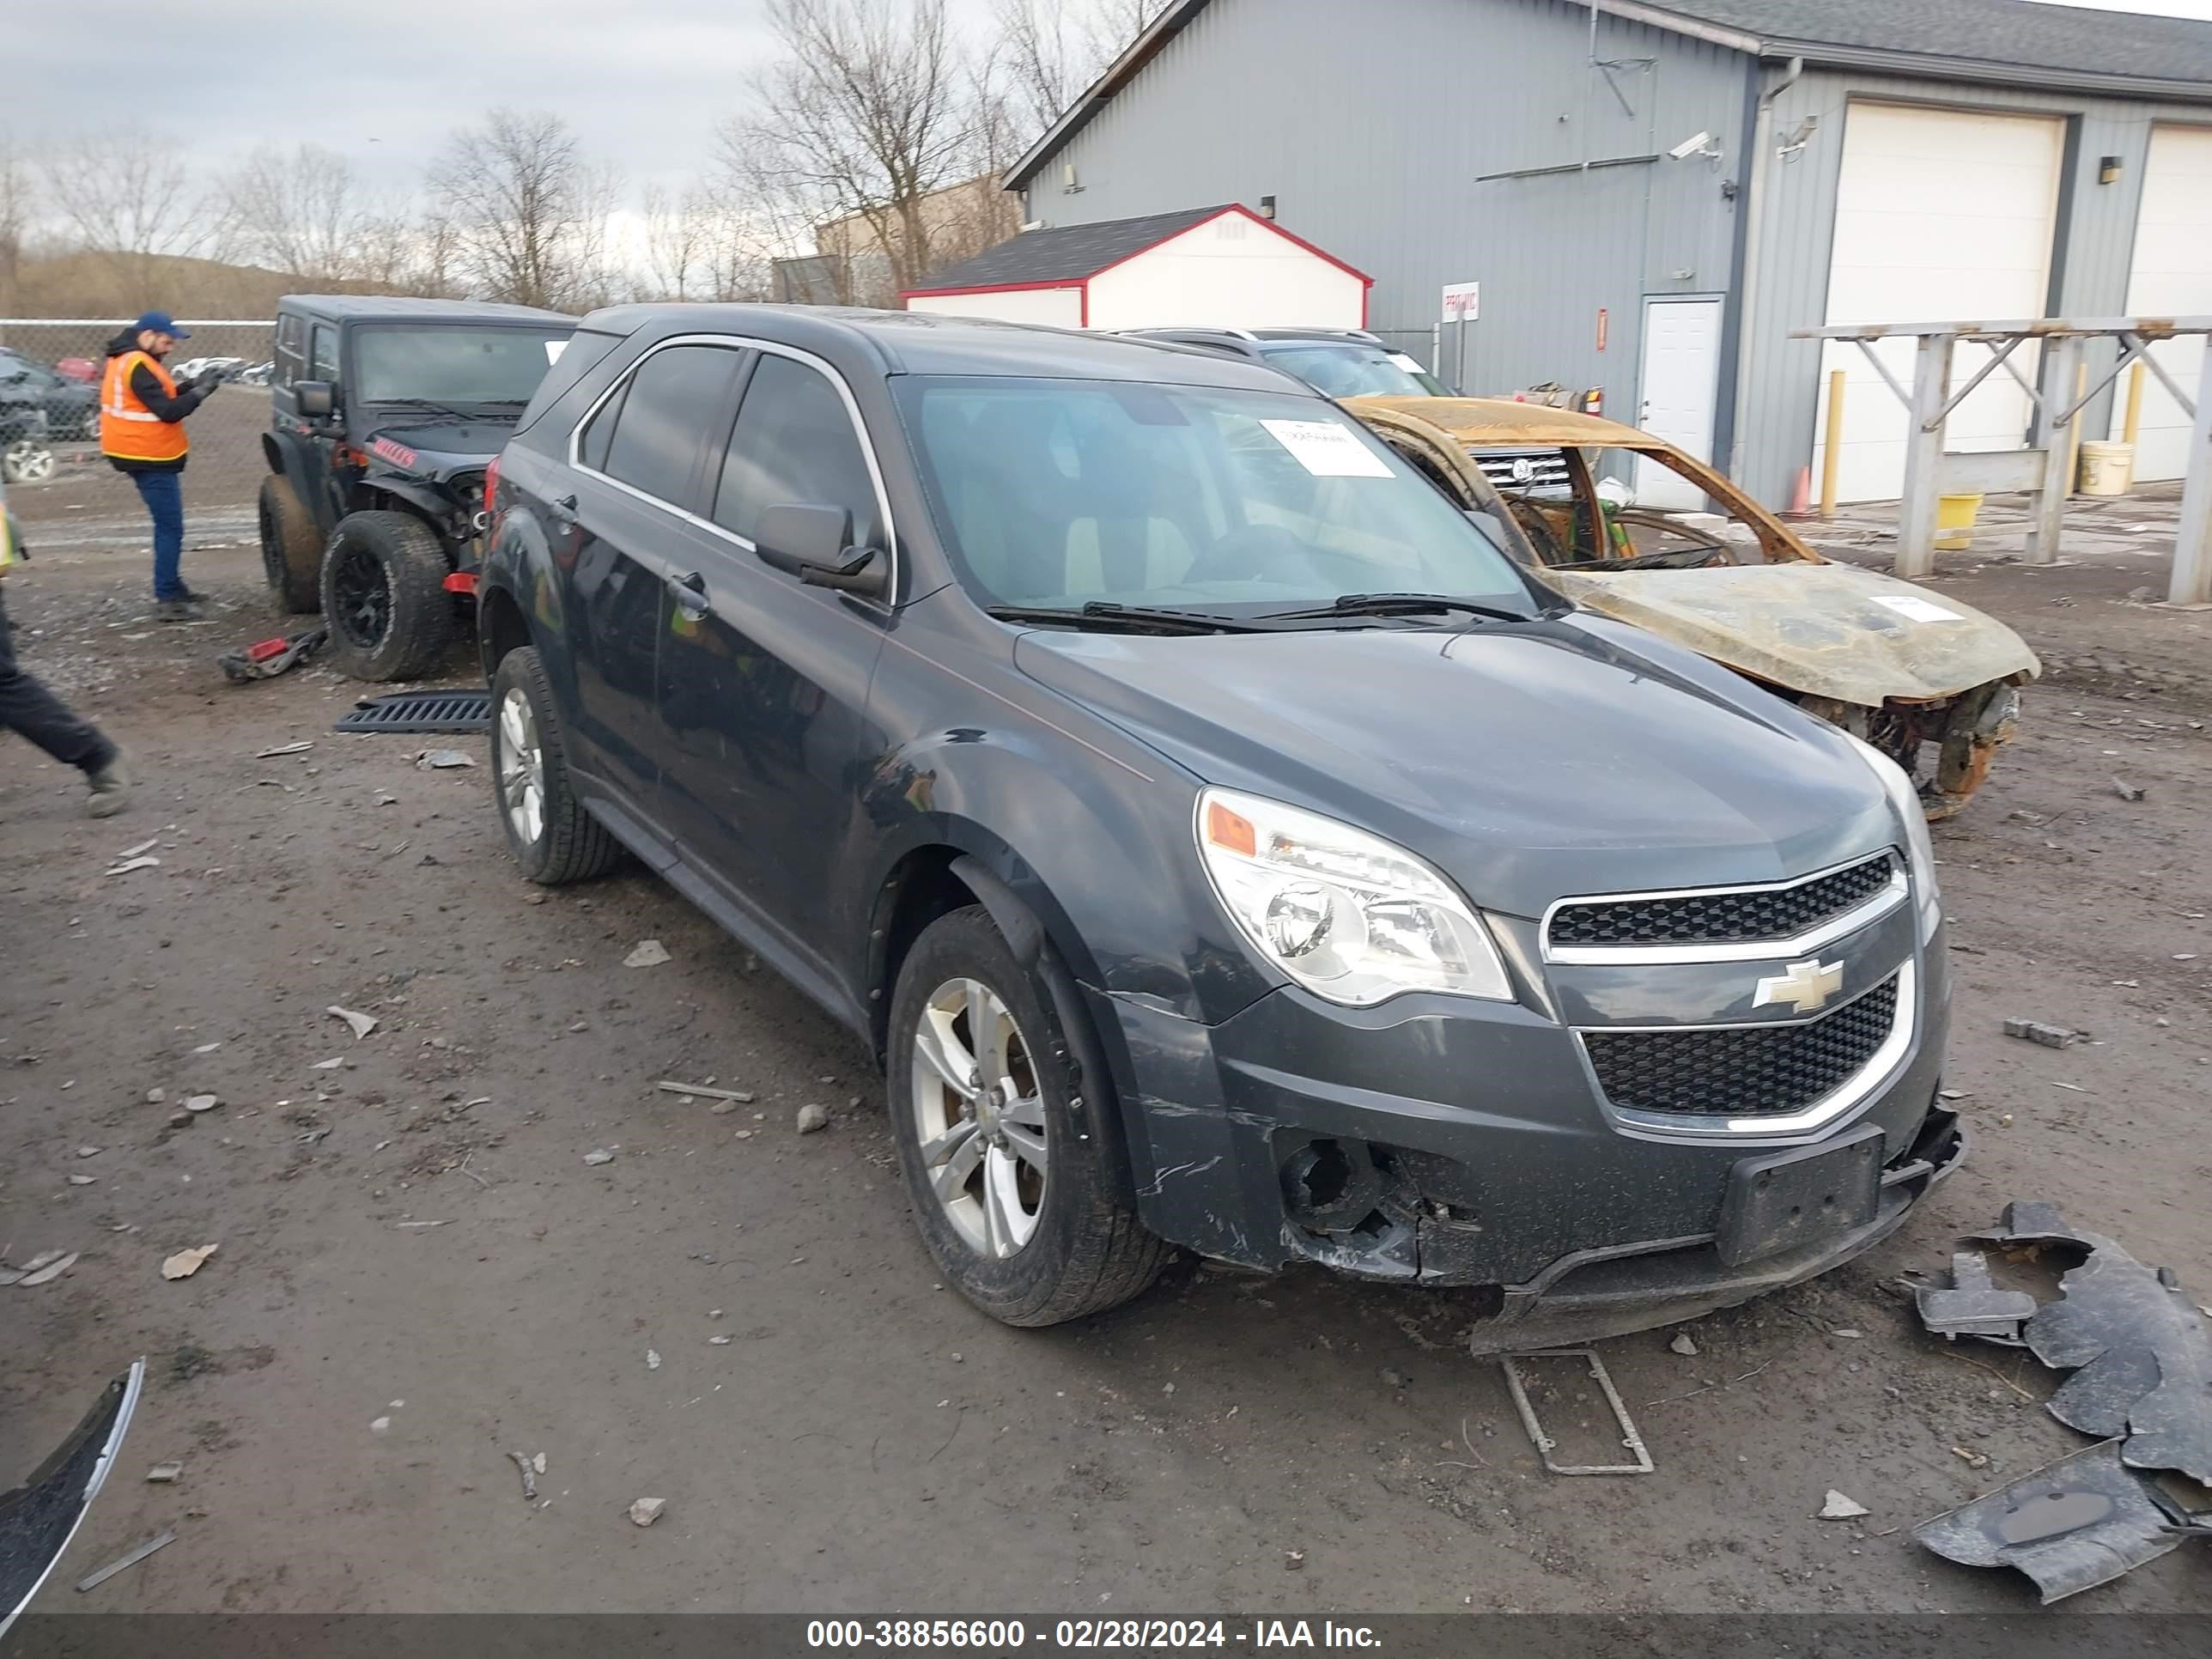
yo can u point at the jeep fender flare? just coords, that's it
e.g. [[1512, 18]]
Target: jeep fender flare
[[288, 458], [426, 502]]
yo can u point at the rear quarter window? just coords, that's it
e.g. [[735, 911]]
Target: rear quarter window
[[586, 349]]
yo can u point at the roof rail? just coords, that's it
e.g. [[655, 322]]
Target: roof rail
[[1194, 328]]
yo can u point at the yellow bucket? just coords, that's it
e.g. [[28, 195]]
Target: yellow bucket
[[2107, 469], [1954, 520]]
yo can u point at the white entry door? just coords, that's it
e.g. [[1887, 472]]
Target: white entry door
[[2171, 276], [1681, 377]]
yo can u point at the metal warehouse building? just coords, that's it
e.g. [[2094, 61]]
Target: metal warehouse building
[[1652, 198]]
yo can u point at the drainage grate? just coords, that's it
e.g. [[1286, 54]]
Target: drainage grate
[[420, 711]]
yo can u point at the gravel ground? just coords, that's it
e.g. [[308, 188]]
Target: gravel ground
[[414, 1239]]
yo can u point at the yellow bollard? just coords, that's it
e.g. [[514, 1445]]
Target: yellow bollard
[[2134, 426], [2073, 432], [1832, 452]]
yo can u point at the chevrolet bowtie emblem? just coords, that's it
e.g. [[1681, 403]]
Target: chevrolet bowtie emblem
[[1807, 986]]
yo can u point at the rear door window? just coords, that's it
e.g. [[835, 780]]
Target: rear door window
[[794, 443], [327, 355], [661, 430]]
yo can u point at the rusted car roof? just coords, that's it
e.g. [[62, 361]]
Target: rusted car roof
[[1502, 420]]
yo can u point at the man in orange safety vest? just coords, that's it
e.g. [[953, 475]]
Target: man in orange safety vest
[[142, 414]]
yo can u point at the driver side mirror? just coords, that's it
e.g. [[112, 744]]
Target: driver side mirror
[[316, 399], [814, 542]]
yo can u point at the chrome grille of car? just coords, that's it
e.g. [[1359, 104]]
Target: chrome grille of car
[[1517, 469], [1731, 916], [1742, 1070]]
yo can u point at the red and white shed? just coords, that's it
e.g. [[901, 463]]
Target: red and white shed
[[1212, 267]]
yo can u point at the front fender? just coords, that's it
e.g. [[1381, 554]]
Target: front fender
[[433, 504], [286, 456]]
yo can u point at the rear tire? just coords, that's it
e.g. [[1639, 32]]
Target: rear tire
[[553, 838], [1014, 1200], [291, 548], [383, 595]]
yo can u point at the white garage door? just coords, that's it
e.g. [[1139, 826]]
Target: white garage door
[[1941, 215], [2171, 277]]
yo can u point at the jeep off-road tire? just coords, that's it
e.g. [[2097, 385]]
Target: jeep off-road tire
[[553, 838], [1015, 1197], [385, 599], [291, 548]]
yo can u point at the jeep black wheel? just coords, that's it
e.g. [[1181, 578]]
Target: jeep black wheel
[[291, 548], [383, 596]]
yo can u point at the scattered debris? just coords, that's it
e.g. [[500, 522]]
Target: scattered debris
[[207, 1047], [1294, 1560], [379, 1425], [2140, 1351], [440, 760], [88, 1152], [145, 846], [1685, 1345], [1545, 1444], [185, 1263], [83, 1180], [739, 1096], [1840, 1507], [812, 1119], [330, 1065], [283, 749], [2125, 790], [362, 1025], [1848, 1334], [46, 1275], [163, 1474], [1974, 1460], [649, 953], [2050, 1036], [129, 865], [718, 1341], [129, 1558], [265, 660], [202, 1103], [528, 1477], [1970, 1305], [598, 1155], [652, 1359], [647, 1510], [2070, 1526], [405, 1226]]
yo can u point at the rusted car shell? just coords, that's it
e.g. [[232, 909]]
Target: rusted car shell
[[1871, 652]]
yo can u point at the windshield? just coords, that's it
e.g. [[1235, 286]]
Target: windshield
[[1354, 371], [1055, 493], [450, 365]]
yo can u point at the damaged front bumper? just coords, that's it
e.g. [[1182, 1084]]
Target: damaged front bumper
[[1435, 1142]]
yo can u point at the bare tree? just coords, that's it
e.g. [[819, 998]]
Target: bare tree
[[1050, 50], [125, 193], [676, 236], [528, 213], [298, 211], [866, 113], [15, 216]]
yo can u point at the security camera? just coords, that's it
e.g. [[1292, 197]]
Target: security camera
[[1699, 144]]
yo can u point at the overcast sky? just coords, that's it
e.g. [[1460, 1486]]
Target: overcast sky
[[643, 80]]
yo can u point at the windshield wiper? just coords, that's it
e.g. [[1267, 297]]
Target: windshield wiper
[[423, 402], [1138, 618], [1399, 605]]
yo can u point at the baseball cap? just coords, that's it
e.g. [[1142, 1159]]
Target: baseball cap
[[160, 322]]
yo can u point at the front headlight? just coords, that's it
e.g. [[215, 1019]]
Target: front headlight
[[1345, 913], [1919, 848]]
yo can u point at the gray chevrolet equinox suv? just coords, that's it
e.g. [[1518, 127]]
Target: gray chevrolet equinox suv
[[1221, 839]]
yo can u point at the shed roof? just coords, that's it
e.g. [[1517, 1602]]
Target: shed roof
[[1067, 253], [2007, 42]]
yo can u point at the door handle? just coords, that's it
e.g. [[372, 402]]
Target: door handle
[[690, 591]]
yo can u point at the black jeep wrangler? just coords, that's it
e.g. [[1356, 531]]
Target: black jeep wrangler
[[384, 415]]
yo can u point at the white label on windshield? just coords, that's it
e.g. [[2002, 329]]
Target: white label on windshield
[[1910, 604], [553, 351], [1328, 450], [1407, 363]]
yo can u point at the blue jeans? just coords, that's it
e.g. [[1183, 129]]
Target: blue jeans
[[164, 496]]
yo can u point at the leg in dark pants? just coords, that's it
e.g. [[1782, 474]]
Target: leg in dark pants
[[164, 496], [26, 706]]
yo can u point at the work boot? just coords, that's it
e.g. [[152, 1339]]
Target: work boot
[[111, 787], [180, 611]]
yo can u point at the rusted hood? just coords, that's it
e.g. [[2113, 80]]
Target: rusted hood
[[1828, 630]]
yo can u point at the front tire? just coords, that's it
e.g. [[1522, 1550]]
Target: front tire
[[383, 595], [291, 548], [553, 838], [1014, 1198]]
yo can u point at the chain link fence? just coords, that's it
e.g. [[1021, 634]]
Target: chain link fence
[[50, 455]]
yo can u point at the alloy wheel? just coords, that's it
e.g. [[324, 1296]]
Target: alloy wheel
[[521, 767], [362, 588], [979, 1117]]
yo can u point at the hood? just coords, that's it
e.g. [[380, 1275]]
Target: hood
[[126, 341], [1828, 630], [1530, 762], [434, 447]]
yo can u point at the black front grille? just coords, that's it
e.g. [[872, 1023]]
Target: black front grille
[[1757, 1070], [1742, 917]]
